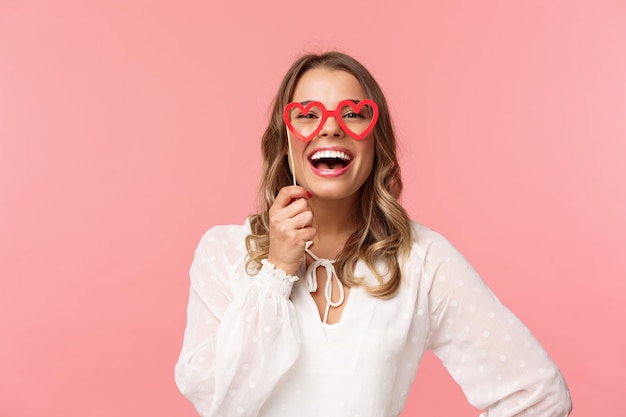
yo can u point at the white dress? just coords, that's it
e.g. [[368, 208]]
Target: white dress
[[254, 345]]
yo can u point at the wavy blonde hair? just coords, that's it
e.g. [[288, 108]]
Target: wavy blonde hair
[[384, 236]]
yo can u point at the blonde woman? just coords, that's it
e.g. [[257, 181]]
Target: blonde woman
[[324, 302]]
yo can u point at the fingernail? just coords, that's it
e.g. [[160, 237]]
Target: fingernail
[[308, 193]]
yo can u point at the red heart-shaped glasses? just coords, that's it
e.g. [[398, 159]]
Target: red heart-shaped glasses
[[357, 119]]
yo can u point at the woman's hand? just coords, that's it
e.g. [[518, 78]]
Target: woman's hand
[[291, 221]]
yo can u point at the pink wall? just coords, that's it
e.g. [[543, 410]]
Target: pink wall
[[127, 128]]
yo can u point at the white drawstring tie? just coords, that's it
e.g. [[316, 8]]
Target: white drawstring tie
[[310, 280]]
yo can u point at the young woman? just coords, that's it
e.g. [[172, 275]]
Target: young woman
[[324, 302]]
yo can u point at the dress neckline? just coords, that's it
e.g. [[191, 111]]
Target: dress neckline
[[310, 283]]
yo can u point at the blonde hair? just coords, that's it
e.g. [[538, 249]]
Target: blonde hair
[[384, 235]]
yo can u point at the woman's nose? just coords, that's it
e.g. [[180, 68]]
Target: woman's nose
[[331, 128]]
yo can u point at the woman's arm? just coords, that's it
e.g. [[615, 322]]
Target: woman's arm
[[241, 333], [499, 364]]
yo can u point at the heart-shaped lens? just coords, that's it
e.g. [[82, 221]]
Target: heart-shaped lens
[[305, 121], [357, 119]]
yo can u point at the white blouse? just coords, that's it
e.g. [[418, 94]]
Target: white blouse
[[254, 345]]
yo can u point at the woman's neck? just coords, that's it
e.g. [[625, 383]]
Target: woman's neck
[[333, 216], [334, 222]]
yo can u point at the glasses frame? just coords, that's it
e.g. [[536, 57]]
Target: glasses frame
[[331, 113]]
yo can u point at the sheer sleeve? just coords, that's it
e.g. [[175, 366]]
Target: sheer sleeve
[[241, 333], [500, 366]]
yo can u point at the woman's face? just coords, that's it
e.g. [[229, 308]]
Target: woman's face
[[333, 165]]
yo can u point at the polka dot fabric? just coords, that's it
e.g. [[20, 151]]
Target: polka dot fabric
[[255, 345]]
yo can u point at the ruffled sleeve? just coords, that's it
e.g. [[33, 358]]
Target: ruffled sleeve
[[241, 335], [500, 366]]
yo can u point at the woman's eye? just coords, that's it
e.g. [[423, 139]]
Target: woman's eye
[[352, 115], [306, 116]]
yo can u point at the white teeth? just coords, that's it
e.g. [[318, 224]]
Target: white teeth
[[330, 154]]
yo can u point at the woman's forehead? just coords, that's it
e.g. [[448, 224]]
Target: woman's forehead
[[328, 86]]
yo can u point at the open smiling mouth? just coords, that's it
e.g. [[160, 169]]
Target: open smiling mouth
[[330, 160]]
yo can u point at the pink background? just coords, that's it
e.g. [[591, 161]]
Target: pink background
[[127, 128]]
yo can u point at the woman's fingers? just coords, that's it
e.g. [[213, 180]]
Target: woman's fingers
[[293, 210], [291, 220], [303, 219], [289, 203], [287, 194]]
